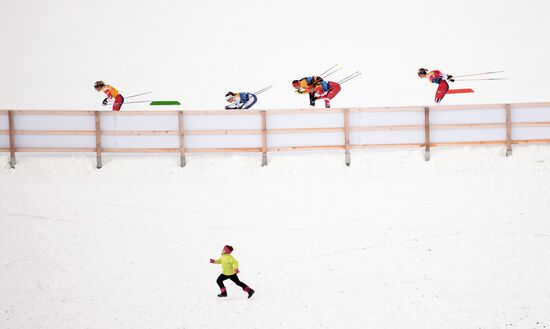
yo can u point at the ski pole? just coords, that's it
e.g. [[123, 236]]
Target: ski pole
[[327, 70], [349, 77], [129, 102], [469, 75], [481, 79], [149, 92], [324, 77], [263, 89]]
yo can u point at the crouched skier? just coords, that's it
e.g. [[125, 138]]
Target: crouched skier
[[239, 101], [438, 77]]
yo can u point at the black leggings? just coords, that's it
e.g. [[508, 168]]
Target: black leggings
[[233, 278], [312, 99]]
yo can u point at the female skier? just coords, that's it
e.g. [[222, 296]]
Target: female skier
[[240, 100], [438, 77], [111, 93]]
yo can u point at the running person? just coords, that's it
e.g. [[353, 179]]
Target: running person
[[437, 77], [239, 101], [111, 93], [230, 269]]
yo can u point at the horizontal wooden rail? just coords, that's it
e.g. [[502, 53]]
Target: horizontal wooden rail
[[272, 131], [305, 148], [272, 149], [54, 149]]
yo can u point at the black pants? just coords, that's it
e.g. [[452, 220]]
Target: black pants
[[233, 278], [312, 99]]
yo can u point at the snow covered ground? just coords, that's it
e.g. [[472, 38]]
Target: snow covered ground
[[390, 242]]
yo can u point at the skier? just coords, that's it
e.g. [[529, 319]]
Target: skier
[[111, 93], [230, 269], [307, 85], [242, 100], [327, 90], [437, 77]]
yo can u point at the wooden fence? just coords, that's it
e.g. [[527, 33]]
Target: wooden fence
[[350, 121]]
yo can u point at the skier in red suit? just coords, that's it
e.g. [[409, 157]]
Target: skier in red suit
[[437, 77]]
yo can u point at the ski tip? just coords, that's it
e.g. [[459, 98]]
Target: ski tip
[[156, 103]]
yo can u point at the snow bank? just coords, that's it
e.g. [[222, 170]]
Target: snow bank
[[390, 242]]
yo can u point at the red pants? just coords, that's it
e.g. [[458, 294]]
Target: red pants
[[119, 100], [441, 91], [333, 91]]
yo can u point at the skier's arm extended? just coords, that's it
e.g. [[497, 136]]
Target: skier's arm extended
[[215, 261]]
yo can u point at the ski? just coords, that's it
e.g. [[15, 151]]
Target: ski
[[153, 103], [460, 91]]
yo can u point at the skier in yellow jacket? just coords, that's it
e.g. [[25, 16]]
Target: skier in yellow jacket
[[230, 269]]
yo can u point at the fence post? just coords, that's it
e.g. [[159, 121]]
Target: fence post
[[427, 133], [99, 164], [508, 108], [182, 139], [346, 137], [264, 138], [12, 139]]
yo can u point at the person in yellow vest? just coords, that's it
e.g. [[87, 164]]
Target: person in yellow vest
[[111, 93], [230, 269]]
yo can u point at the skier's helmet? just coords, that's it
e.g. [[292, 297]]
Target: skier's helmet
[[422, 71], [99, 84]]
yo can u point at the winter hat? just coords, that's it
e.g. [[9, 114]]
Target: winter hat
[[228, 249]]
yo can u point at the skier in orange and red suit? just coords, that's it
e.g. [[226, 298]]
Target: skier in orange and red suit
[[111, 93]]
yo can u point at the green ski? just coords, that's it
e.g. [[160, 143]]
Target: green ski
[[165, 103]]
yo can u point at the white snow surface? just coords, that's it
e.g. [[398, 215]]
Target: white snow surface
[[393, 241]]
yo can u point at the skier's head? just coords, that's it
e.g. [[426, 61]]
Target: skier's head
[[230, 96], [296, 84], [98, 85], [422, 72], [227, 249]]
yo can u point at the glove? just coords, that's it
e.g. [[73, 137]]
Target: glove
[[105, 101], [212, 261], [237, 271], [450, 77]]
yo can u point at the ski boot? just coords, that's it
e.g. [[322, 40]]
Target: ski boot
[[223, 293]]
